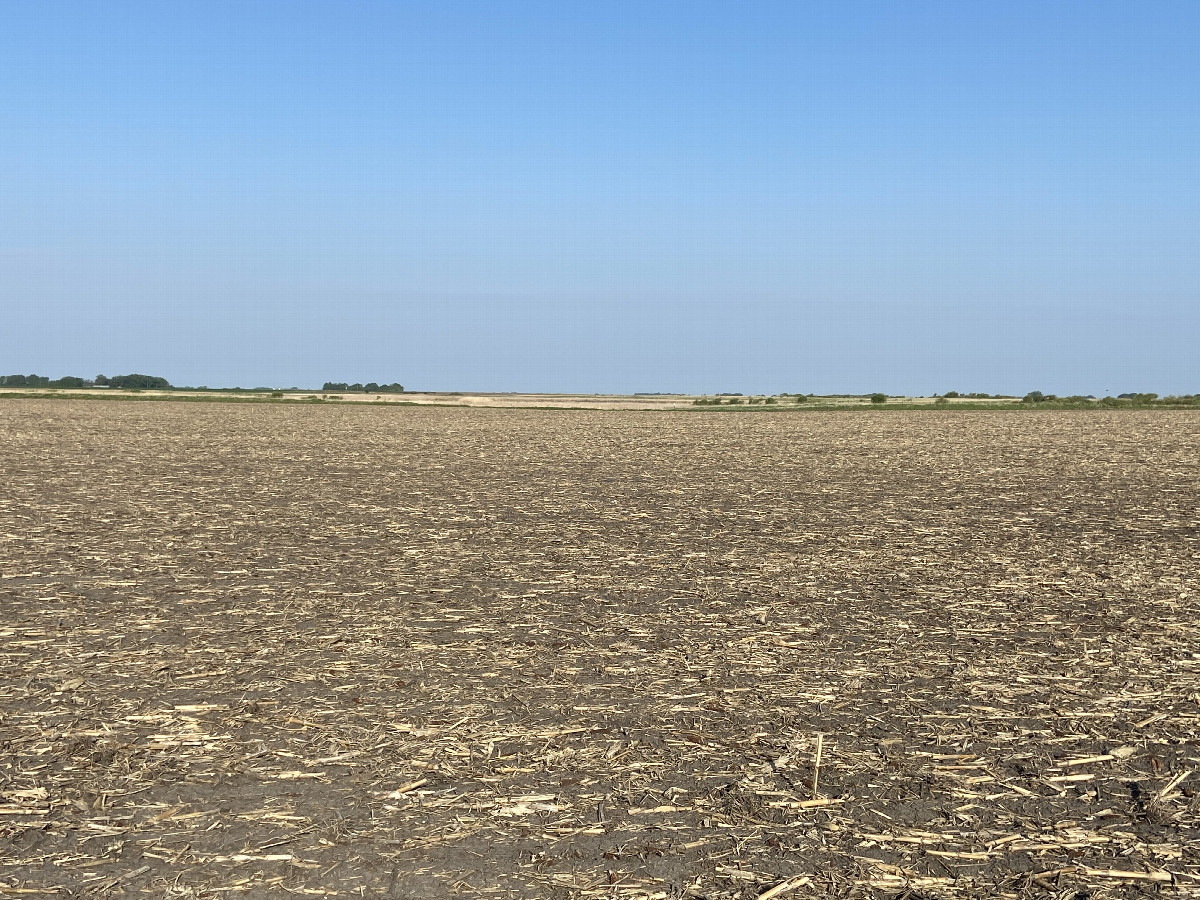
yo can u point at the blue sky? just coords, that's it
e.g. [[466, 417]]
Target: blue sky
[[610, 196]]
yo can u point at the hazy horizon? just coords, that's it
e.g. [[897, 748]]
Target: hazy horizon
[[635, 197]]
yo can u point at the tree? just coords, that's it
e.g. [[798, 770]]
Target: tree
[[370, 387], [879, 398], [139, 382]]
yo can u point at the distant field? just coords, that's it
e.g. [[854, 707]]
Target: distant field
[[323, 650], [502, 400]]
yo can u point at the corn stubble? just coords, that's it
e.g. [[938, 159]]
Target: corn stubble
[[267, 651]]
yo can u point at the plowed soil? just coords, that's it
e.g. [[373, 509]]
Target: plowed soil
[[412, 652]]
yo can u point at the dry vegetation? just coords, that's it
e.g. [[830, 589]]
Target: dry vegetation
[[414, 652]]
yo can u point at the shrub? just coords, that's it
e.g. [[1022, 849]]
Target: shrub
[[800, 398], [941, 400], [879, 398], [770, 400], [276, 394]]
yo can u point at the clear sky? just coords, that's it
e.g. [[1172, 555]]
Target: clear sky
[[604, 196]]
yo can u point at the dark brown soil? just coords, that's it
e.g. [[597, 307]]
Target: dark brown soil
[[412, 652]]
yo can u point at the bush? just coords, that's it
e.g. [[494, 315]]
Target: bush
[[1039, 397], [941, 400], [800, 398], [770, 400], [277, 394], [879, 398]]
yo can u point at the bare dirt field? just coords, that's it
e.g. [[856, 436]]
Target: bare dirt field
[[358, 651]]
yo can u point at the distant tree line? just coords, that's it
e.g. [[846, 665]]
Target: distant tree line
[[129, 382], [1129, 399], [369, 388], [135, 382], [951, 395], [41, 381], [24, 382]]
